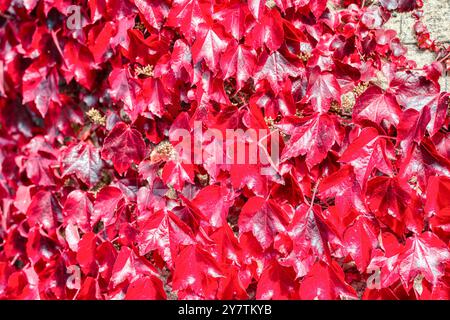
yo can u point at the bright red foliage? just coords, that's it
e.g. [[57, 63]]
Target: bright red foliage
[[98, 200]]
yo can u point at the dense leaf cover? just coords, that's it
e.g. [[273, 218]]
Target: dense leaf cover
[[95, 206]]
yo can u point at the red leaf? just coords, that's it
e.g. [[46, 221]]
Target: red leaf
[[122, 146], [322, 90], [276, 283], [86, 253], [275, 68], [263, 218], [360, 239], [106, 204], [154, 12], [313, 138], [44, 210], [238, 61], [146, 288], [197, 270], [209, 44], [425, 255], [164, 232], [213, 202], [267, 31], [376, 106], [367, 152], [325, 282], [84, 161], [78, 210]]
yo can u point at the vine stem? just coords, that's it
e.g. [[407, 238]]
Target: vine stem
[[313, 198], [444, 58]]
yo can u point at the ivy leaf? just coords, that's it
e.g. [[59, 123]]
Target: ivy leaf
[[238, 61], [313, 138], [325, 282], [164, 232], [275, 68], [367, 152], [264, 219], [197, 270], [376, 106], [323, 89], [276, 283], [424, 254], [209, 44], [83, 160], [122, 146]]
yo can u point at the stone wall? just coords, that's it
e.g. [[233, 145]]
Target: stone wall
[[437, 19]]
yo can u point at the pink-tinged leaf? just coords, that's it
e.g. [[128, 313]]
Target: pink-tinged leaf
[[386, 197], [275, 68], [437, 206], [86, 253], [100, 40], [122, 146], [314, 138], [414, 92], [89, 290], [376, 106], [322, 90], [424, 255], [233, 17], [83, 160], [227, 247], [411, 128], [263, 218], [181, 58], [153, 11], [436, 201], [78, 209], [165, 232], [39, 170], [257, 8], [325, 282], [214, 203], [238, 61], [231, 287], [209, 44], [106, 204], [146, 288], [105, 255], [176, 173], [79, 64], [309, 237], [44, 209], [277, 283], [129, 266], [268, 31], [126, 90], [367, 152], [317, 7], [422, 162], [156, 96], [72, 236], [197, 270], [360, 239], [40, 85], [188, 15], [23, 198], [39, 246]]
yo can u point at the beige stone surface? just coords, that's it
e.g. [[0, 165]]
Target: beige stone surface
[[437, 19]]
